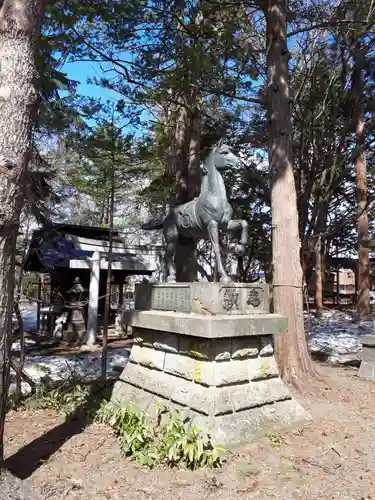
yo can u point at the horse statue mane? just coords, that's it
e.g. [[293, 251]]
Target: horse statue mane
[[204, 168]]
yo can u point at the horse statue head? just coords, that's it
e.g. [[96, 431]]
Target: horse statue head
[[221, 158]]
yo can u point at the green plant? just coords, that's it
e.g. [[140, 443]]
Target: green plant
[[177, 443], [65, 398], [184, 443], [12, 403], [134, 432]]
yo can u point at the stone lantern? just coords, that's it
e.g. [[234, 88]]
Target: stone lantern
[[76, 327]]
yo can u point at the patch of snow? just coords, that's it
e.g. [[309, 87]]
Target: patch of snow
[[25, 388], [28, 313], [335, 336], [82, 367], [16, 346]]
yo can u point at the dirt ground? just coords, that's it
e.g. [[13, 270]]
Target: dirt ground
[[332, 457]]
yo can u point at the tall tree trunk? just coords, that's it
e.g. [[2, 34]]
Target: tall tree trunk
[[320, 228], [186, 249], [291, 348], [363, 270], [318, 277], [181, 164], [186, 256], [19, 35], [187, 159], [363, 301]]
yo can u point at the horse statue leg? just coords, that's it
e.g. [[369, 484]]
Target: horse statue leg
[[235, 225], [170, 240], [213, 232]]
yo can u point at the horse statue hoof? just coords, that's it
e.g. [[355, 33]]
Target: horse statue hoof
[[239, 250], [171, 279]]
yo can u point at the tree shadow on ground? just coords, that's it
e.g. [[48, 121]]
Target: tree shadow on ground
[[31, 456]]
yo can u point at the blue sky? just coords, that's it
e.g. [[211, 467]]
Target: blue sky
[[81, 71]]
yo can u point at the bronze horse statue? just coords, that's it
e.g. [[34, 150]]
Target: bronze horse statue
[[206, 215]]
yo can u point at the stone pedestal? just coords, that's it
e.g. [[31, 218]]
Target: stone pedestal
[[203, 297], [217, 368], [367, 368]]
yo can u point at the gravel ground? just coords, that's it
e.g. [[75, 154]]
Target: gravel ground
[[332, 457]]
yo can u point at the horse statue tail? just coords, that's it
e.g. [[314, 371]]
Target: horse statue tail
[[152, 224]]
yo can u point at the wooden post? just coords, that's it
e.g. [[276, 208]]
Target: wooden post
[[92, 320], [38, 303], [121, 294]]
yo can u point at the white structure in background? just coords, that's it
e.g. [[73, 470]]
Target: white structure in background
[[97, 262]]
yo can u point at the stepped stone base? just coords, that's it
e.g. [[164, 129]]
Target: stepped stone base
[[367, 368], [219, 370]]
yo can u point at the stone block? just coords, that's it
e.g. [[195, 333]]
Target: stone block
[[235, 429], [147, 356], [151, 381], [368, 340], [258, 394], [195, 347], [368, 354], [134, 375], [235, 372], [205, 349], [203, 297], [207, 327], [157, 406], [167, 342], [223, 404], [262, 368], [367, 370], [143, 336], [179, 366], [221, 349], [240, 428], [266, 345], [247, 347], [124, 393], [196, 397], [204, 372]]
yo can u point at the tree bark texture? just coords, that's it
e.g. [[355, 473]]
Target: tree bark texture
[[181, 163], [320, 228], [186, 161], [20, 22], [186, 255], [363, 301], [363, 268], [291, 349], [319, 282]]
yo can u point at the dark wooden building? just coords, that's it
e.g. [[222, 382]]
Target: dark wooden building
[[74, 256]]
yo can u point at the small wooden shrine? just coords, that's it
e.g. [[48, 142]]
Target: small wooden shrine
[[75, 258]]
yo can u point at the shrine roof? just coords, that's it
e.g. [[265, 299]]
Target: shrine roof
[[55, 247]]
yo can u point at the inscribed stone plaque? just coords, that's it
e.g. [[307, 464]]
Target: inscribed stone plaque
[[171, 298], [203, 297]]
